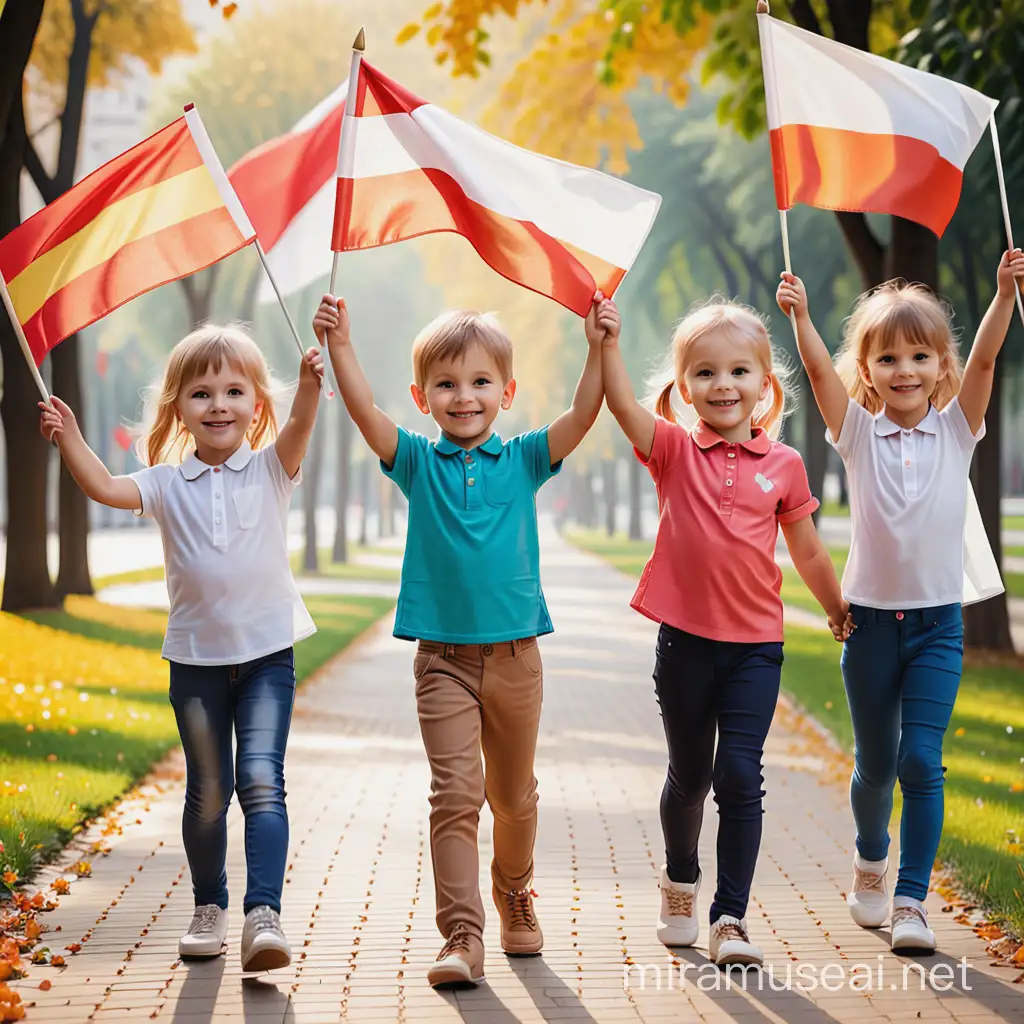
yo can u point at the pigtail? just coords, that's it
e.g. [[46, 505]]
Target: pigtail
[[663, 403]]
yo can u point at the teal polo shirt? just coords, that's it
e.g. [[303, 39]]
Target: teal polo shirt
[[471, 572]]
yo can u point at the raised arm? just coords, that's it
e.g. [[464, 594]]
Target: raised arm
[[294, 436], [377, 428], [976, 389], [58, 423], [566, 432], [637, 423], [815, 567], [829, 391]]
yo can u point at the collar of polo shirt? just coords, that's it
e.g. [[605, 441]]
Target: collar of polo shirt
[[193, 467], [884, 427], [493, 446], [759, 444]]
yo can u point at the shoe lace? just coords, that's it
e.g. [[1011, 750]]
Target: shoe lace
[[680, 904], [458, 942], [204, 920], [731, 930], [909, 915], [262, 918], [868, 881], [520, 908]]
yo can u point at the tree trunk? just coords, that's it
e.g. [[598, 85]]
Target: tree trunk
[[611, 495], [341, 499], [198, 291], [386, 526], [364, 501], [73, 573], [310, 491], [635, 525], [913, 254]]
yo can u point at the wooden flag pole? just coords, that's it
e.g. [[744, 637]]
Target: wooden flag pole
[[23, 341], [1006, 205], [346, 140]]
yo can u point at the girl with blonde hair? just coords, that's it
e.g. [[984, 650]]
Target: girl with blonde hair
[[725, 486], [905, 416], [218, 482]]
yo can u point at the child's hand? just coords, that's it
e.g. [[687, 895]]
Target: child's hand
[[1010, 273], [603, 322], [331, 322], [792, 296], [841, 624], [57, 419], [311, 369]]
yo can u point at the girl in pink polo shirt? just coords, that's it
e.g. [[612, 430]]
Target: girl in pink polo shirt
[[724, 488]]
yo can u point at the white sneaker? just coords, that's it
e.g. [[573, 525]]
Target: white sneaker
[[868, 898], [264, 947], [677, 923], [206, 933], [730, 943], [910, 926]]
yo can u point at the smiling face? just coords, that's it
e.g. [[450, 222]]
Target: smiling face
[[904, 375], [218, 407], [723, 379], [464, 395]]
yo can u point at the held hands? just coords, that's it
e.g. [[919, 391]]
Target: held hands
[[842, 624], [57, 419], [311, 369], [603, 322], [792, 296], [331, 322], [1010, 273]]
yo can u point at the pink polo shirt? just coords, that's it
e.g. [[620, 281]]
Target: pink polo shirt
[[713, 571]]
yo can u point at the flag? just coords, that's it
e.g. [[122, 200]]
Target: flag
[[287, 188], [853, 131], [158, 212], [409, 168]]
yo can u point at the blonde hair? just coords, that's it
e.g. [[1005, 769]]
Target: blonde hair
[[882, 316], [208, 347], [451, 335], [735, 322]]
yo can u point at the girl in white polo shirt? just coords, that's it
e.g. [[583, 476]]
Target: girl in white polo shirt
[[905, 416], [219, 486]]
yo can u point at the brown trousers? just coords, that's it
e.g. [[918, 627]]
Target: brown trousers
[[473, 696]]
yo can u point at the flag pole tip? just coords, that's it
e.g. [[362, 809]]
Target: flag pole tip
[[360, 43], [762, 7], [189, 106]]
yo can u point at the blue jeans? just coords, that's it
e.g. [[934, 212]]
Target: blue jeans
[[255, 700], [708, 686], [902, 671]]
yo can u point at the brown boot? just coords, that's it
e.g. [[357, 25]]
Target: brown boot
[[461, 960], [520, 932]]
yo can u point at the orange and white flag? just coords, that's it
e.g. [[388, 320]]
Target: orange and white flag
[[158, 212], [854, 131], [409, 168]]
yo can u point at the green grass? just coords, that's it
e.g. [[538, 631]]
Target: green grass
[[983, 838], [1013, 522], [350, 570], [84, 711]]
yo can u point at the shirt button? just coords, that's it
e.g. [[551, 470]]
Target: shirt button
[[907, 463], [216, 469], [728, 483], [469, 458], [471, 481], [217, 494], [487, 649], [217, 521], [732, 455]]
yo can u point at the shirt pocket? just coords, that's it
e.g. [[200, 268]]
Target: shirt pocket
[[248, 504], [499, 486]]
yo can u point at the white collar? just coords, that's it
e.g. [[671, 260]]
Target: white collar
[[884, 427], [193, 467]]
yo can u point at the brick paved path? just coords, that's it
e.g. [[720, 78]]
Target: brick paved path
[[359, 896]]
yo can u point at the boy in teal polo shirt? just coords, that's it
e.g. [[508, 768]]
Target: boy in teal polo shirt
[[471, 597]]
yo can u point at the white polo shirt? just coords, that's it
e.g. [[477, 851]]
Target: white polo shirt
[[232, 595], [908, 505]]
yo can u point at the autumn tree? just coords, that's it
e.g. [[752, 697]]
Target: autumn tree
[[83, 43]]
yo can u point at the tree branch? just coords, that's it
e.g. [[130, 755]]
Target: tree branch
[[49, 124], [37, 172], [804, 16]]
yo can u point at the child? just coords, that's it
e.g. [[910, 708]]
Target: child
[[724, 488], [471, 596], [234, 609], [906, 425]]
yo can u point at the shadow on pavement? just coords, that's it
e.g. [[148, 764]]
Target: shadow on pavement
[[545, 987]]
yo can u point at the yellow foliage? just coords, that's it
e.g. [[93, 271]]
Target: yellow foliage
[[150, 30]]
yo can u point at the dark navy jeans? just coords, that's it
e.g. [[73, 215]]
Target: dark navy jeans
[[708, 686], [254, 701], [902, 672]]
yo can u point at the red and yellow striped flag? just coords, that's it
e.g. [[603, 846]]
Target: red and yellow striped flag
[[158, 212]]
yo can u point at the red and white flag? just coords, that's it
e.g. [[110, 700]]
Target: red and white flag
[[287, 188], [854, 131], [409, 168]]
